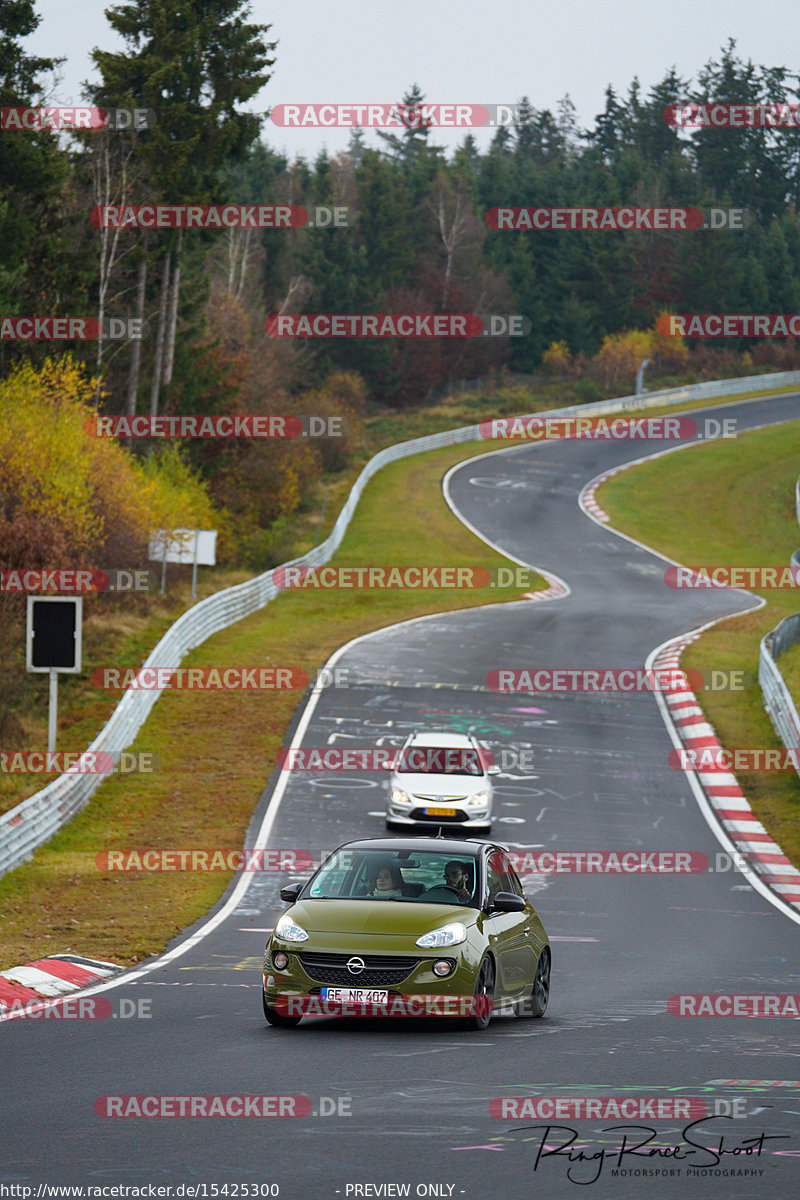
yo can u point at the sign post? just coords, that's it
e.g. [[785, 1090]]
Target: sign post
[[195, 546], [194, 564], [53, 645]]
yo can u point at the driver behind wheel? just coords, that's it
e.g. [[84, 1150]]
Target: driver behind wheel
[[455, 876]]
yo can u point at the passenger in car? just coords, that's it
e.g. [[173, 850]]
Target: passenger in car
[[388, 883]]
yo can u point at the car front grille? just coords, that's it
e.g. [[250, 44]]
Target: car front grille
[[441, 801], [381, 970]]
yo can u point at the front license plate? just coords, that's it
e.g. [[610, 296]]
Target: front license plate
[[354, 995], [441, 812]]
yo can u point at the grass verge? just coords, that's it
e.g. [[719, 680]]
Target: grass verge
[[736, 507]]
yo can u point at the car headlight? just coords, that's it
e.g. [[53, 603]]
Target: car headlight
[[290, 931], [448, 935], [400, 797], [479, 798]]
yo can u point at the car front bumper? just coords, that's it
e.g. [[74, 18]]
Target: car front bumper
[[299, 983], [477, 818]]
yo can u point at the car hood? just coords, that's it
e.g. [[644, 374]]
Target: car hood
[[384, 917], [441, 785]]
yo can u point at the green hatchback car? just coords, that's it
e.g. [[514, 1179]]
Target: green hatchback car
[[408, 926]]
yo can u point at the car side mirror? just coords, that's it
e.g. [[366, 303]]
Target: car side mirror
[[493, 770], [291, 892], [508, 902]]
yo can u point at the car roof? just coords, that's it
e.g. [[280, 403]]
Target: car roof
[[438, 737], [454, 846]]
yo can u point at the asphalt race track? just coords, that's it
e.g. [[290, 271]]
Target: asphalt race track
[[410, 1100]]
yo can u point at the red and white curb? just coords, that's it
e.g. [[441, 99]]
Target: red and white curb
[[725, 797], [555, 591], [53, 976], [591, 504]]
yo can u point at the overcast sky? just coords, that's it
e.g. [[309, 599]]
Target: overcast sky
[[466, 51]]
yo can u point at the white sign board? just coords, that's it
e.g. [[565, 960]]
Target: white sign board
[[184, 546]]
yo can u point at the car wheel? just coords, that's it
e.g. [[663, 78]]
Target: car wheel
[[536, 1004], [280, 1020], [483, 998]]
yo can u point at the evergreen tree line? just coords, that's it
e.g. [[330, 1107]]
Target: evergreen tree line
[[416, 238]]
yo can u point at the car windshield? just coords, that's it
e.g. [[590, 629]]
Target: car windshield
[[438, 760], [408, 876]]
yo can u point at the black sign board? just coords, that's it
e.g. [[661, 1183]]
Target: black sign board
[[54, 633]]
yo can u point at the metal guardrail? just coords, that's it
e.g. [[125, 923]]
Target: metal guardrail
[[778, 701], [35, 820]]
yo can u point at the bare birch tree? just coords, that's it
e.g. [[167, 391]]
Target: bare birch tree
[[111, 175]]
